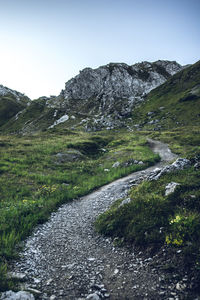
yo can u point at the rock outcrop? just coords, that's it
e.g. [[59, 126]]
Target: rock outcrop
[[96, 98], [108, 94]]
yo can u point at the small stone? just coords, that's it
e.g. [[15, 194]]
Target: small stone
[[162, 293], [98, 286], [180, 286], [49, 281], [170, 188], [33, 291], [125, 201], [93, 297], [116, 271], [91, 259], [106, 295], [116, 164], [53, 297], [197, 166], [16, 275]]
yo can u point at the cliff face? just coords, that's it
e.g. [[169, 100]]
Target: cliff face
[[119, 80], [111, 91]]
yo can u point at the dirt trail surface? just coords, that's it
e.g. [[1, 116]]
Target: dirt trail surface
[[66, 259]]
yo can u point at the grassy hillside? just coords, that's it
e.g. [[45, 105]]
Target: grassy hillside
[[9, 107], [174, 104], [40, 172], [35, 116], [11, 102]]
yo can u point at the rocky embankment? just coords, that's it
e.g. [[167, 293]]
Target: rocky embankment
[[66, 259]]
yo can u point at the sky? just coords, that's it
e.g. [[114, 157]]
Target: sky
[[44, 43]]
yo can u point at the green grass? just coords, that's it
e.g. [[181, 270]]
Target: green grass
[[174, 104], [33, 183], [152, 220]]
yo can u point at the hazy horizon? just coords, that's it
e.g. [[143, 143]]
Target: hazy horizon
[[46, 43]]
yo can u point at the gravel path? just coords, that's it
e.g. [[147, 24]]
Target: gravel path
[[66, 259]]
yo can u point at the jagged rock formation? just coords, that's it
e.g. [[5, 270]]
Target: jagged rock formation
[[109, 93]]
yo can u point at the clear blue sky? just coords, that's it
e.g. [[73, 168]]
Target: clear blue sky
[[44, 43]]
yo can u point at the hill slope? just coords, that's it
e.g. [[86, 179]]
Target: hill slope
[[174, 104], [11, 102]]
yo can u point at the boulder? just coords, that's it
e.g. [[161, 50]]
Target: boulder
[[116, 164], [21, 295], [68, 156], [93, 296], [170, 188], [179, 164], [197, 166], [125, 201]]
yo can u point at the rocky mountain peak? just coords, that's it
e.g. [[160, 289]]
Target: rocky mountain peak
[[171, 67], [119, 80], [111, 91]]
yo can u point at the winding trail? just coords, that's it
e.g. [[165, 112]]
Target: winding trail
[[66, 259]]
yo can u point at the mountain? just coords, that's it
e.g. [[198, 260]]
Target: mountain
[[173, 104], [11, 103], [96, 98], [108, 94]]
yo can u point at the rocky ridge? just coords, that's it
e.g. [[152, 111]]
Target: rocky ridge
[[109, 93], [96, 98]]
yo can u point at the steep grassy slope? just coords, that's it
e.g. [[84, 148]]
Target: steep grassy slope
[[11, 102], [174, 104], [35, 116]]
